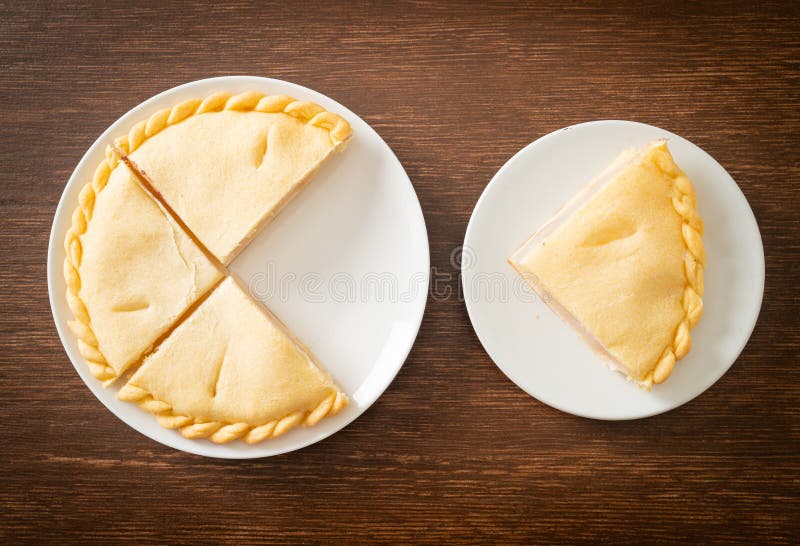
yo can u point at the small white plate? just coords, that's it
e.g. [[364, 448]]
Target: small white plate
[[542, 354], [345, 266]]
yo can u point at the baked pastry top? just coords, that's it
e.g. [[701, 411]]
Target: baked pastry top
[[131, 271], [231, 165], [623, 263], [230, 371], [171, 204]]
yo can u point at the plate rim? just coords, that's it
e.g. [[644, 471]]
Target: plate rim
[[496, 181], [258, 82]]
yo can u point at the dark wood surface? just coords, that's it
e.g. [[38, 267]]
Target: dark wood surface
[[452, 450]]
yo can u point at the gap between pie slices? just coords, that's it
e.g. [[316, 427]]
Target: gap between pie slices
[[623, 263], [122, 286]]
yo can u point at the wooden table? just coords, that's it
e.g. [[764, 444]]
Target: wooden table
[[452, 450]]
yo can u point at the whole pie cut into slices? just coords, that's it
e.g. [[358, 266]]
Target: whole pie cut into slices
[[172, 203], [130, 270], [623, 263], [227, 164], [231, 371]]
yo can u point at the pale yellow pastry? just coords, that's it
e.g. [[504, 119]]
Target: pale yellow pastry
[[230, 371], [172, 203], [623, 263], [227, 164], [130, 270]]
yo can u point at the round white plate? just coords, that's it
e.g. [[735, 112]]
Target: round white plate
[[542, 354], [345, 266]]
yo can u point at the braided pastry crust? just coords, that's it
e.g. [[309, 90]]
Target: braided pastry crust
[[249, 101], [82, 215], [684, 201], [222, 432]]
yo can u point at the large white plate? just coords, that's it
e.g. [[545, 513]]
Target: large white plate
[[345, 266], [539, 352]]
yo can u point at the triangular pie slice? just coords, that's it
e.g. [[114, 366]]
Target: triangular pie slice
[[623, 263], [231, 370], [130, 270], [228, 164]]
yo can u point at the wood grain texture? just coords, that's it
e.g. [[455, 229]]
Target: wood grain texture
[[453, 450]]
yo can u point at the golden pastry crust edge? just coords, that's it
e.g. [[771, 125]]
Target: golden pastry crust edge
[[221, 432], [81, 216], [684, 201], [249, 101]]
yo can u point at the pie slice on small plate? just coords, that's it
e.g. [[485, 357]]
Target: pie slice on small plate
[[226, 165], [130, 270], [623, 263], [232, 371]]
